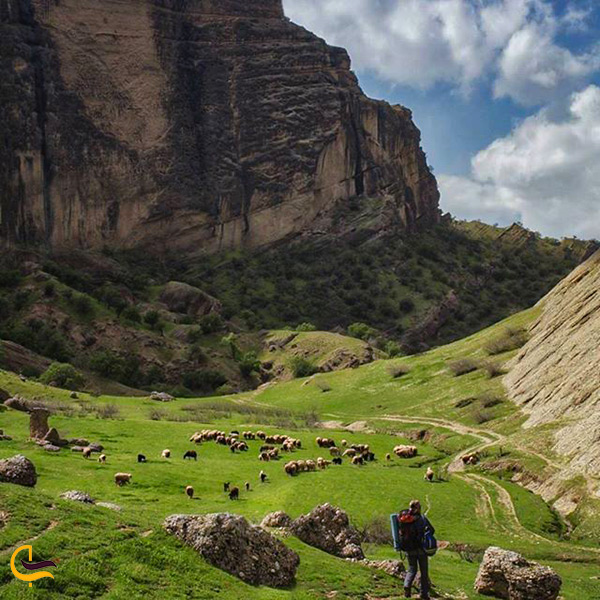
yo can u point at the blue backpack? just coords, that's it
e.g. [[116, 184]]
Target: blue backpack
[[430, 544]]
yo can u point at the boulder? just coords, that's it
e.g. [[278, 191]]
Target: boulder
[[277, 519], [78, 448], [38, 423], [183, 298], [328, 528], [51, 448], [18, 470], [78, 442], [110, 505], [4, 396], [230, 543], [506, 574], [95, 447], [161, 397], [53, 437], [19, 403], [394, 568], [78, 496]]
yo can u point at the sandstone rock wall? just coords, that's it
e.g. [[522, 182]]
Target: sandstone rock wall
[[197, 124], [556, 375]]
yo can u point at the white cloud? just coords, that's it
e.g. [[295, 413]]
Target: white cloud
[[458, 42], [545, 173]]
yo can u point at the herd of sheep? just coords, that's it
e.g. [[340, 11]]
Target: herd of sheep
[[271, 449]]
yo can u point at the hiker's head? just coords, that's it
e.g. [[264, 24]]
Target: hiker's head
[[415, 507]]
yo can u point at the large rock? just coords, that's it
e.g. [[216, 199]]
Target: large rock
[[18, 470], [241, 129], [506, 574], [277, 519], [38, 423], [4, 396], [53, 437], [328, 528], [183, 298], [78, 496], [161, 397], [230, 543]]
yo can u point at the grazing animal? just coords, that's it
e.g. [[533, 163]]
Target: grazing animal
[[189, 490], [344, 443], [291, 468], [470, 459], [337, 460], [429, 474], [122, 478], [226, 486], [166, 453], [141, 458], [264, 456], [388, 456], [247, 485], [405, 451], [191, 454], [102, 458], [334, 451], [87, 452], [351, 453], [234, 494], [357, 460], [263, 476]]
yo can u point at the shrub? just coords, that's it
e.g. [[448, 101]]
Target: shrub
[[157, 414], [397, 371], [63, 375], [362, 331], [204, 380], [108, 364], [302, 367], [304, 327], [197, 354], [131, 313], [151, 318], [407, 305], [464, 402], [49, 289], [489, 400], [463, 366], [510, 340], [107, 411], [323, 385], [83, 305], [9, 278], [377, 531], [481, 416], [493, 369], [113, 298], [211, 323], [392, 349], [248, 363]]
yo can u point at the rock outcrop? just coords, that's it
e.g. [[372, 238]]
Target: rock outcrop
[[505, 574], [187, 299], [190, 126], [556, 375], [18, 470], [230, 543], [328, 528], [278, 519]]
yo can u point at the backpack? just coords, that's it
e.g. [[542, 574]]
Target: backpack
[[404, 531], [429, 543]]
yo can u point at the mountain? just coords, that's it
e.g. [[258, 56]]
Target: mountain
[[191, 126], [556, 375]]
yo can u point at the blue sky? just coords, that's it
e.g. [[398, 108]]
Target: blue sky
[[506, 94]]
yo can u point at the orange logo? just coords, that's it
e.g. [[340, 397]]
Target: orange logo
[[30, 567]]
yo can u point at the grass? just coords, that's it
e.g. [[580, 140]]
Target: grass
[[104, 554]]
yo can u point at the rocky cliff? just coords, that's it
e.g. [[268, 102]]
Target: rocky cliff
[[556, 375], [190, 125]]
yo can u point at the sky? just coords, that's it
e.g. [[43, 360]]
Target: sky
[[506, 94]]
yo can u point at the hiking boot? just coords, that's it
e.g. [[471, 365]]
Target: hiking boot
[[407, 593]]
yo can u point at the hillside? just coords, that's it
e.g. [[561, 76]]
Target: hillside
[[191, 126], [416, 400]]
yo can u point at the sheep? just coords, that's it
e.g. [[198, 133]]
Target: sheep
[[226, 486], [191, 454], [261, 435], [337, 461], [369, 456], [266, 448], [429, 475], [388, 457], [405, 451], [334, 451], [122, 478], [189, 490], [311, 465], [102, 458], [264, 456], [87, 452], [141, 458], [234, 494], [274, 454], [263, 476], [357, 460], [344, 443], [247, 486], [301, 465], [470, 459], [325, 442], [322, 463], [166, 453], [291, 468], [350, 453]]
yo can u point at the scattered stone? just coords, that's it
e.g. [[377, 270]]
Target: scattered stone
[[161, 397], [51, 448], [230, 543], [53, 437], [95, 447], [277, 519], [18, 470], [506, 574], [78, 496], [3, 436], [78, 448], [328, 528], [78, 442], [395, 568], [109, 505]]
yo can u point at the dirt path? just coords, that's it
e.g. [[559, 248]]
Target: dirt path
[[28, 541]]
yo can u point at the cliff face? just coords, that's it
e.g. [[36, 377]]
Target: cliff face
[[556, 375], [188, 124]]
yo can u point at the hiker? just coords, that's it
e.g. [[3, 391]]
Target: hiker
[[415, 531]]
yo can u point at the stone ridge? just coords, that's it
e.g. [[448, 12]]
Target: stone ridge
[[190, 125]]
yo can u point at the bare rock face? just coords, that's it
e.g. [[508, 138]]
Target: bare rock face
[[193, 126], [18, 470], [277, 519], [78, 496], [328, 528], [556, 375], [4, 396], [230, 543], [187, 299], [505, 574]]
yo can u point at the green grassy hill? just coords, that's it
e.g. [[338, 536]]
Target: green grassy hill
[[104, 554]]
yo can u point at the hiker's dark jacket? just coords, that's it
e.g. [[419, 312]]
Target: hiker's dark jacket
[[421, 525]]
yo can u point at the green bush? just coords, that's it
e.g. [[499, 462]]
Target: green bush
[[131, 313], [392, 349], [108, 364], [152, 318], [83, 305], [304, 327], [63, 375], [211, 323], [204, 380], [362, 331], [248, 363], [302, 367]]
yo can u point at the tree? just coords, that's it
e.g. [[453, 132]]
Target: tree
[[248, 364], [63, 375]]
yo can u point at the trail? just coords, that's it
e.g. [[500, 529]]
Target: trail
[[28, 541]]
